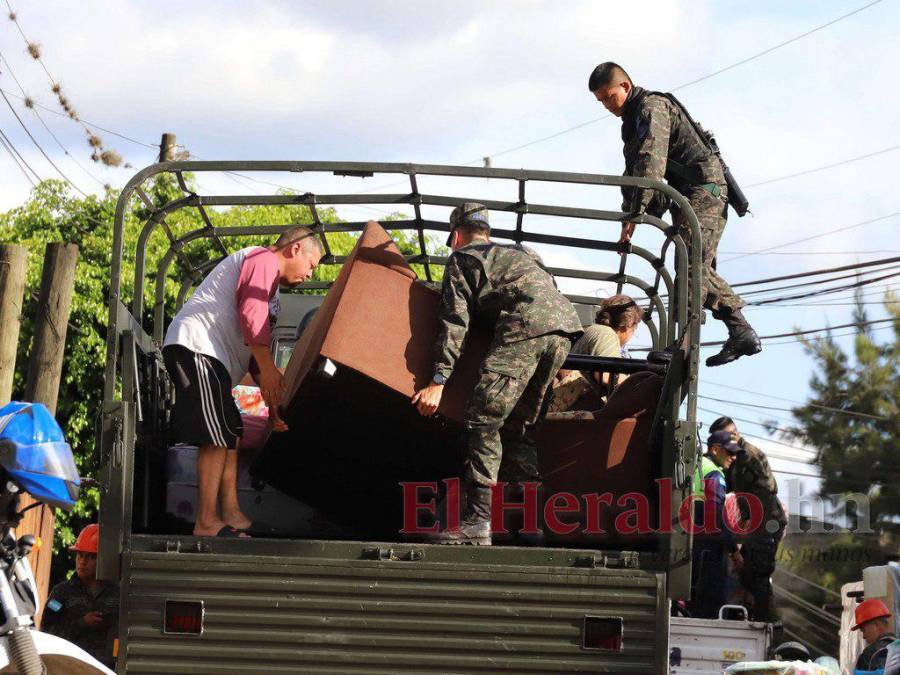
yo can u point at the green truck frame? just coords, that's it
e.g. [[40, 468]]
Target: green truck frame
[[285, 606]]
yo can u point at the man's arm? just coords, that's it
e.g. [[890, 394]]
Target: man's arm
[[654, 127], [258, 280], [456, 292]]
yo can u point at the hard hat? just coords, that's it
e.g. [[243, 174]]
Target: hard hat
[[87, 539], [791, 651], [868, 610]]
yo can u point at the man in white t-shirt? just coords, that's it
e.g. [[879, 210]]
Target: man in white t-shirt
[[208, 349]]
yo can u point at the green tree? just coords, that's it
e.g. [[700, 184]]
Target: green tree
[[52, 213], [857, 453]]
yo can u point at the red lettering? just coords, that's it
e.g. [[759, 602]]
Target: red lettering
[[592, 503], [640, 513], [665, 496], [552, 508], [528, 506], [412, 506]]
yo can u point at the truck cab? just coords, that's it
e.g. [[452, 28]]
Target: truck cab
[[344, 590]]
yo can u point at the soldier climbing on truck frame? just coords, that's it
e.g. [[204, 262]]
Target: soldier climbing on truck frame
[[663, 142]]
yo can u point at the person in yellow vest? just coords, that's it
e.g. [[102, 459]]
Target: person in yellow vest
[[712, 538]]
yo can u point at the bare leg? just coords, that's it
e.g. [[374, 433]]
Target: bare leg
[[210, 465], [231, 509]]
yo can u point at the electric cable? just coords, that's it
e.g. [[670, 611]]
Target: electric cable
[[823, 168], [815, 236], [806, 332], [826, 291], [807, 581], [38, 146], [688, 84], [851, 413], [817, 282], [819, 272], [44, 124], [22, 159], [781, 398], [15, 160]]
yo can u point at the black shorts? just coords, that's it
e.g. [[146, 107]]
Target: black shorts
[[205, 412]]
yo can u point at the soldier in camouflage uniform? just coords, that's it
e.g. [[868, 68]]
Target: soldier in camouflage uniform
[[751, 475], [83, 610], [661, 143], [505, 288]]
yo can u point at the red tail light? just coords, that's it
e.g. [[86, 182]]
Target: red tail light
[[183, 617]]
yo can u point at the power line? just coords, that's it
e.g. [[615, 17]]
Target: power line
[[789, 400], [9, 149], [25, 163], [810, 583], [692, 82], [818, 282], [827, 166], [806, 332], [872, 252], [825, 291], [819, 272], [815, 236], [44, 124], [38, 146]]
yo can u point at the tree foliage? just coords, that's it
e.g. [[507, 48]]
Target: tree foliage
[[54, 214], [857, 453]]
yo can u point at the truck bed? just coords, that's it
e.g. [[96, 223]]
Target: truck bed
[[345, 607]]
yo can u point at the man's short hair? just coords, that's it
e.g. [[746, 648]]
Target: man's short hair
[[605, 74], [720, 424], [299, 233]]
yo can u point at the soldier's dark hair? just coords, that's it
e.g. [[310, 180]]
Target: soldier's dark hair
[[619, 312], [606, 73], [474, 228], [299, 233], [720, 424]]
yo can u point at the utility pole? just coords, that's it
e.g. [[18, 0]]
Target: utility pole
[[12, 285], [44, 374], [167, 148]]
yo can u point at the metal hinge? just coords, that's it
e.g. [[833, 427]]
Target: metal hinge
[[620, 560], [179, 546], [389, 554]]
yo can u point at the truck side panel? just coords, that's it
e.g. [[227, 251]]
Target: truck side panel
[[314, 614]]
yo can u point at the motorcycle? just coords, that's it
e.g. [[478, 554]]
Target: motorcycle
[[34, 460]]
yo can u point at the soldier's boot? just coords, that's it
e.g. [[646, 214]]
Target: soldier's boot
[[742, 339], [475, 526]]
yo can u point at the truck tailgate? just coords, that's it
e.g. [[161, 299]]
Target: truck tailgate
[[329, 609]]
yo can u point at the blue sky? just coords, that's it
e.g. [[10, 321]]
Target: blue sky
[[450, 83]]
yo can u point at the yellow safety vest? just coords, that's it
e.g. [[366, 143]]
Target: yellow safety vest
[[704, 468]]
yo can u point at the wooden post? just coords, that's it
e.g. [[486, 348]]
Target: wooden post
[[167, 148], [12, 285], [42, 385]]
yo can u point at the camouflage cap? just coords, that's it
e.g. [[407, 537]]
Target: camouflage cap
[[469, 213]]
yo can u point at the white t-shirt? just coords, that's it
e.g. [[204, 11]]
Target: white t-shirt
[[211, 321]]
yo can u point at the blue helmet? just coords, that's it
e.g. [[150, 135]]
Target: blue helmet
[[36, 456]]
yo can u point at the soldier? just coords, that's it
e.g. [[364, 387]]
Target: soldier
[[507, 288], [83, 610], [660, 142], [750, 474]]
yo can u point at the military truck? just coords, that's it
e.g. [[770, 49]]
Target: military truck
[[348, 599]]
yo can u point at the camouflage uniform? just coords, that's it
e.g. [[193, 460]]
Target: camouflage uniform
[[507, 289], [658, 137], [66, 606], [750, 473]]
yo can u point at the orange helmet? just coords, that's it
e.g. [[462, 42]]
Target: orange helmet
[[868, 610], [87, 539]]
